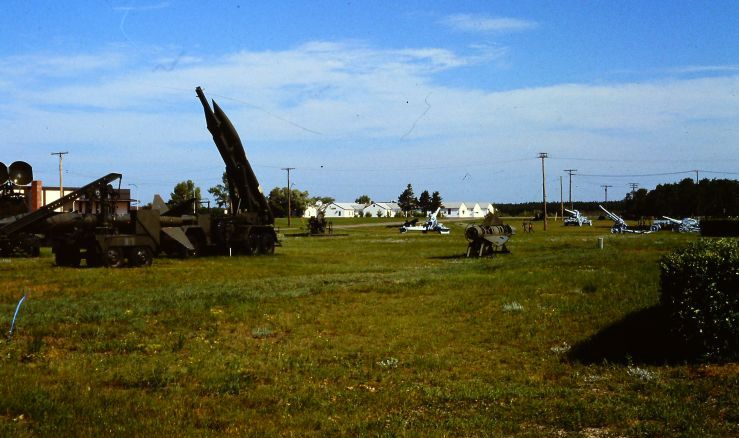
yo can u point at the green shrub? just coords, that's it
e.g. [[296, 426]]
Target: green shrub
[[720, 227], [700, 289]]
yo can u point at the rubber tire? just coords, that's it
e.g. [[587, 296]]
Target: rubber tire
[[140, 256], [113, 257]]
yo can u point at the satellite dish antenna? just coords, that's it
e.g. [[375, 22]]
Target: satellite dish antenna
[[20, 173], [3, 173]]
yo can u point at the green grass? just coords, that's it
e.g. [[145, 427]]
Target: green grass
[[374, 333]]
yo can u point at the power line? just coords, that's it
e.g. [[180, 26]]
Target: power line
[[635, 175]]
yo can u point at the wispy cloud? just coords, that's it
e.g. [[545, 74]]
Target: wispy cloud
[[46, 65], [485, 24], [705, 69], [141, 7], [334, 104]]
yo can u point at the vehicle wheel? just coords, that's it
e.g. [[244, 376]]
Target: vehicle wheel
[[140, 256], [252, 244], [267, 244], [113, 257], [68, 256], [94, 258]]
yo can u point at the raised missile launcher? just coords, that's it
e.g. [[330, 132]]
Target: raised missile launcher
[[248, 227]]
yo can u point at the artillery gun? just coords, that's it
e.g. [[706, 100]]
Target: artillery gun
[[489, 238], [317, 225], [430, 225], [620, 227], [577, 219]]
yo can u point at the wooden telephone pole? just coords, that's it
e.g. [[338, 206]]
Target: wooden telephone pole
[[61, 188], [288, 193], [544, 155]]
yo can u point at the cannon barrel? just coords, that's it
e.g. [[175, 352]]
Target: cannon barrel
[[474, 232]]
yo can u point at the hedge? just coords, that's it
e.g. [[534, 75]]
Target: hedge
[[700, 290]]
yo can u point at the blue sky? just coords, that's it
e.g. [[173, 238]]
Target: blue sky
[[366, 97]]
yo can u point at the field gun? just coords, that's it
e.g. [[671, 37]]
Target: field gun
[[248, 226], [576, 218], [488, 238], [430, 225], [620, 227], [317, 225], [685, 225]]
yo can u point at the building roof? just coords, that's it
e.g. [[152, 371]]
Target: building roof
[[386, 205], [454, 205], [344, 205]]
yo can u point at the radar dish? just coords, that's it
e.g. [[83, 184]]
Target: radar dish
[[3, 173], [20, 173]]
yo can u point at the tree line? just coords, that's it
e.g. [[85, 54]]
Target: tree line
[[707, 198]]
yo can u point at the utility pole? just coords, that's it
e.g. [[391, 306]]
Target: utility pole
[[570, 171], [696, 176], [633, 186], [288, 193], [61, 188], [561, 200], [606, 187], [544, 155], [134, 196]]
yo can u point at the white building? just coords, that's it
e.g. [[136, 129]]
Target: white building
[[474, 209], [381, 209], [467, 209], [38, 195], [340, 209], [455, 209], [310, 211], [487, 207]]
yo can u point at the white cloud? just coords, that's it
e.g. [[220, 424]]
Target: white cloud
[[484, 24], [351, 107]]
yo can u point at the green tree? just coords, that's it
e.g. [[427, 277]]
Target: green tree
[[183, 191], [277, 200], [364, 199], [220, 193], [324, 200], [435, 201], [407, 200], [424, 201]]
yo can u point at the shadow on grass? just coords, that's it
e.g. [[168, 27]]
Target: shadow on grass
[[464, 256], [642, 337], [449, 257]]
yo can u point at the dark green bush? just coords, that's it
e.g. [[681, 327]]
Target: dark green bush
[[720, 227], [700, 289]]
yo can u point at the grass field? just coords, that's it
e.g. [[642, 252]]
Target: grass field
[[373, 333]]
